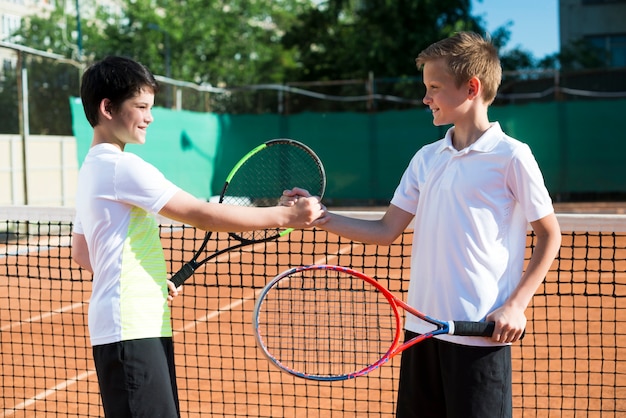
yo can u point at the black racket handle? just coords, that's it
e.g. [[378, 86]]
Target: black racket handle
[[476, 329], [470, 328], [183, 274]]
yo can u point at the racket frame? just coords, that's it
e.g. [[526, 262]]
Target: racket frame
[[190, 267], [470, 328]]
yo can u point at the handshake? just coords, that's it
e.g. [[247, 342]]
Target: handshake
[[308, 211]]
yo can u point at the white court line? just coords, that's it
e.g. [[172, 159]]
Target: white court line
[[48, 244], [57, 311], [42, 395], [86, 374], [241, 301], [41, 245]]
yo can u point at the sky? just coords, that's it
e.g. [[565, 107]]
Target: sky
[[535, 22]]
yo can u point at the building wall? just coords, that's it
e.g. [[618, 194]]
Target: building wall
[[51, 174], [580, 18], [13, 11]]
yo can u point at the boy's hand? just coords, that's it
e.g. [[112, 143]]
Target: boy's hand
[[290, 197], [509, 324], [306, 204], [173, 292]]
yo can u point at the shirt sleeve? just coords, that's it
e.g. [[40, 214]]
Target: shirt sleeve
[[141, 184], [527, 185], [407, 193], [78, 226]]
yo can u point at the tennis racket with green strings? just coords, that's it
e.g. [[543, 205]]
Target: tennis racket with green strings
[[259, 179]]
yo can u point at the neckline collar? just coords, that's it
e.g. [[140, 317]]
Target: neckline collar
[[485, 143]]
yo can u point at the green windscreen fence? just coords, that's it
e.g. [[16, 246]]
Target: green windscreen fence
[[579, 145]]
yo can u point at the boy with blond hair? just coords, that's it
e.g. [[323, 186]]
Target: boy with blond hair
[[471, 195]]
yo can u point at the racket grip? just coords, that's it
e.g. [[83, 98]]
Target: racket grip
[[183, 274], [475, 329]]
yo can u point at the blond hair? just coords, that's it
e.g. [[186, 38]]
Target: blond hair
[[467, 55]]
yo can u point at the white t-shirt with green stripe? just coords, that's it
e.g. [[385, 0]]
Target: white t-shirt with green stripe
[[118, 195]]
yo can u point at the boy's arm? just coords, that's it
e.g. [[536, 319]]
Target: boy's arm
[[510, 318], [185, 208], [80, 252], [383, 231]]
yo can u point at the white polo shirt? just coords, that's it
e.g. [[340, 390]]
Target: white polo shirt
[[472, 209], [118, 193]]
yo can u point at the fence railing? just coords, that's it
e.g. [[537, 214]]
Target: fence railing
[[37, 83], [38, 150]]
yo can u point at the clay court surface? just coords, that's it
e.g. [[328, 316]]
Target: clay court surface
[[572, 362]]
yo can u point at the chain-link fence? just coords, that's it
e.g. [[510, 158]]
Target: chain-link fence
[[36, 88]]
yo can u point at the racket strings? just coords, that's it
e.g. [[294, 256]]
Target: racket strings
[[262, 178], [326, 323]]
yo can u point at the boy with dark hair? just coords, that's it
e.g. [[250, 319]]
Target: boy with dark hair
[[116, 237]]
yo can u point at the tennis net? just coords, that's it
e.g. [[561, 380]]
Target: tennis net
[[571, 363]]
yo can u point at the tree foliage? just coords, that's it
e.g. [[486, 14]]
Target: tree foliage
[[218, 42], [231, 43], [344, 39], [579, 54], [240, 42]]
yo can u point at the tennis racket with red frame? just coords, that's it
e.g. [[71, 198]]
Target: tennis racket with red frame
[[325, 322], [259, 179]]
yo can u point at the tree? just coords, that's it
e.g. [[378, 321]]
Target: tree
[[343, 39], [580, 54], [231, 43], [235, 42], [51, 33], [243, 42], [50, 83], [240, 42], [8, 103]]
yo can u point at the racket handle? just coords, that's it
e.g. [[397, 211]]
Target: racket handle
[[475, 329], [183, 274]]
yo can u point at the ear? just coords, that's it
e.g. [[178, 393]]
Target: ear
[[473, 88], [106, 109]]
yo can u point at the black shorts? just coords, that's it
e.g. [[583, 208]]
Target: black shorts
[[441, 379], [137, 378]]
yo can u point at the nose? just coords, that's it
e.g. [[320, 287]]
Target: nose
[[426, 100]]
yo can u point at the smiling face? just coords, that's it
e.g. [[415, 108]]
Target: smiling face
[[444, 97], [128, 123]]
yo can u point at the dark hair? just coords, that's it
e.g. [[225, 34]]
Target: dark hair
[[114, 78]]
